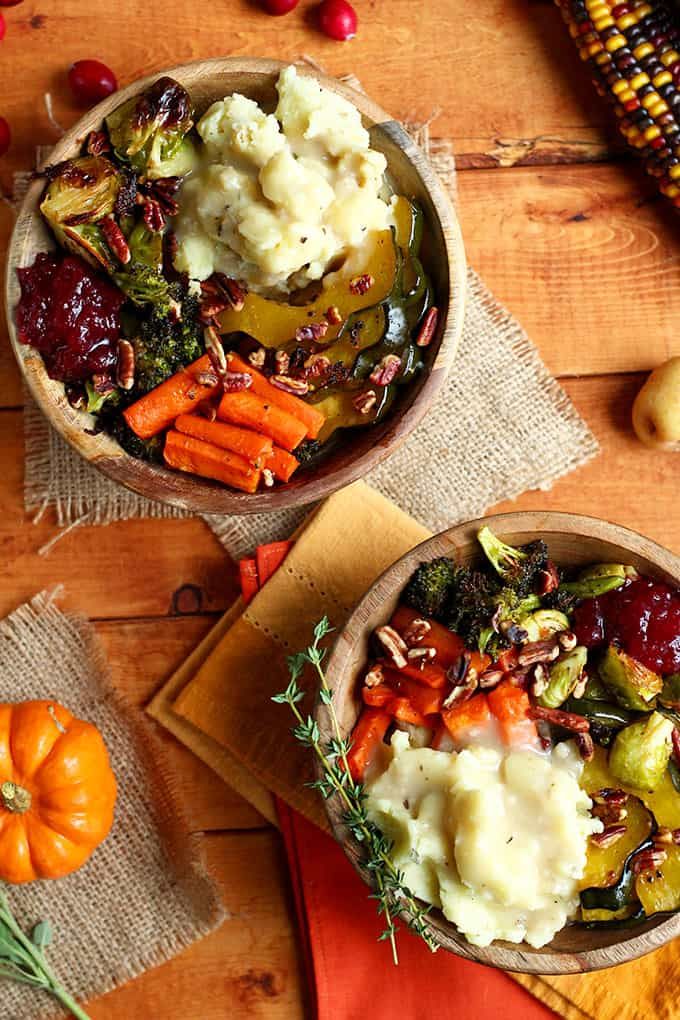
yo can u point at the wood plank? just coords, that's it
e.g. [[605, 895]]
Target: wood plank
[[141, 655], [497, 71], [247, 969], [586, 257], [628, 483]]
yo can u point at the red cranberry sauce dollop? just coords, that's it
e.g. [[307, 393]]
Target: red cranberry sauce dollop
[[643, 617], [70, 315]]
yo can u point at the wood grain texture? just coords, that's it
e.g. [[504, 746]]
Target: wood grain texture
[[443, 257], [247, 970], [573, 541]]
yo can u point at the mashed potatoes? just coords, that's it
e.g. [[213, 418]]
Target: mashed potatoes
[[283, 195], [495, 838]]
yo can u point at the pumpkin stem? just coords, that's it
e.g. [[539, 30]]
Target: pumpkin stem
[[15, 798]]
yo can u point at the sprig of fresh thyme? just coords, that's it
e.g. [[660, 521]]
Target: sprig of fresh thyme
[[390, 893], [22, 958]]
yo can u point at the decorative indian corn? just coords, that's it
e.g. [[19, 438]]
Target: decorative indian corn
[[633, 52]]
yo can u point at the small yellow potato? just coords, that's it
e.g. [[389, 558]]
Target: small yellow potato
[[656, 411]]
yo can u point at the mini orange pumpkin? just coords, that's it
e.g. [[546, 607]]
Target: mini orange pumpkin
[[57, 791]]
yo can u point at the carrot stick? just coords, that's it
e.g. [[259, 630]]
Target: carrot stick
[[255, 448], [366, 739], [159, 407], [449, 646], [281, 464], [270, 557], [425, 700], [511, 706], [249, 409], [193, 455], [313, 419], [250, 584], [461, 720]]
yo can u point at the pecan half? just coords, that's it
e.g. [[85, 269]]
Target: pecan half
[[427, 328], [213, 345], [298, 387], [333, 315], [163, 192], [153, 216], [311, 332], [267, 478], [585, 745], [365, 401], [282, 362], [648, 860], [393, 644], [375, 676], [207, 378], [386, 370], [223, 287], [257, 357], [125, 367], [538, 651], [567, 640], [361, 284], [567, 720], [548, 579], [419, 656], [115, 239], [416, 631], [97, 143], [609, 795], [236, 382], [612, 834], [490, 677], [317, 365], [539, 680]]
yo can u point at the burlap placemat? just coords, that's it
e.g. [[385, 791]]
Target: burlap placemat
[[502, 425], [144, 895]]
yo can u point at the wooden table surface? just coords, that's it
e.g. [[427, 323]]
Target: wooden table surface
[[563, 227]]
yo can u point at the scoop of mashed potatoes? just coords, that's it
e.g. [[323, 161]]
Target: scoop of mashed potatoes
[[496, 838], [282, 196]]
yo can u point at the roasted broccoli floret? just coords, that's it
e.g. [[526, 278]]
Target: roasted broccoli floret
[[308, 451], [517, 567], [164, 344], [96, 401], [430, 588], [144, 285], [560, 599], [473, 601]]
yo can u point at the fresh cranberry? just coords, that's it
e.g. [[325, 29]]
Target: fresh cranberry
[[3, 26], [10, 3], [338, 19], [71, 315], [5, 136], [643, 616], [91, 81], [278, 7]]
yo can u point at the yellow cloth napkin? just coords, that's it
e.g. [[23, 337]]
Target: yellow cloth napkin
[[219, 704]]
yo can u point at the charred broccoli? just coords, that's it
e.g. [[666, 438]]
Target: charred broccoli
[[164, 344], [308, 451], [517, 567], [430, 589], [141, 449]]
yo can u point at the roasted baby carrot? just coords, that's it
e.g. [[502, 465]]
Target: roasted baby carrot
[[425, 700], [312, 418], [250, 584], [253, 411], [255, 448], [198, 458], [269, 558], [511, 707], [180, 393], [449, 646], [366, 740], [461, 720], [281, 464]]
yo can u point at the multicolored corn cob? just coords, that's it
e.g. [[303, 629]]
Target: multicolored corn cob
[[633, 52]]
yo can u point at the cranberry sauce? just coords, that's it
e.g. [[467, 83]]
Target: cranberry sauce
[[643, 616], [71, 315]]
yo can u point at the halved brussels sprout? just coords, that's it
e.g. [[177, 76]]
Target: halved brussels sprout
[[563, 676], [640, 754], [80, 193], [632, 684], [670, 692], [543, 623], [149, 131]]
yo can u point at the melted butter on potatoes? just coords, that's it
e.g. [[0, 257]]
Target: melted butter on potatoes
[[497, 839], [281, 196]]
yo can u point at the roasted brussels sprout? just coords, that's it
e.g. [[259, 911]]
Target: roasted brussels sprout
[[670, 692], [82, 192], [543, 623], [640, 754], [149, 131], [563, 677], [632, 684]]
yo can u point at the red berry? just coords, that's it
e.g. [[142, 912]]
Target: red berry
[[278, 7], [338, 19], [9, 3], [91, 81], [5, 136], [3, 26]]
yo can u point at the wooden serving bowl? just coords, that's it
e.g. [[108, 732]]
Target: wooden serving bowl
[[443, 255], [572, 541]]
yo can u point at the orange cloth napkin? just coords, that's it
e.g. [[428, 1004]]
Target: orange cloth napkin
[[219, 705]]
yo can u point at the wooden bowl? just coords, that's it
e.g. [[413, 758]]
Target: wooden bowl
[[572, 540], [410, 173]]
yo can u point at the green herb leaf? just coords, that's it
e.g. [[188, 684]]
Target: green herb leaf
[[41, 936]]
